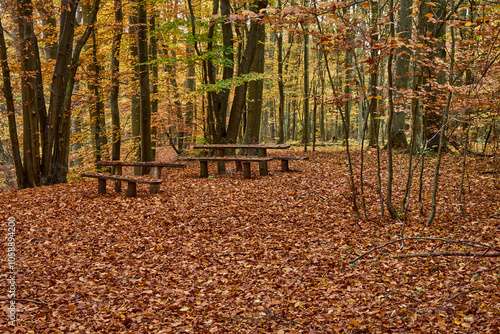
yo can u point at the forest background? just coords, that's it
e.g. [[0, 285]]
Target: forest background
[[84, 81], [407, 90]]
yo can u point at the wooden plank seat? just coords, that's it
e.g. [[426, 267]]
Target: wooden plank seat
[[154, 169], [246, 161], [285, 160], [132, 183]]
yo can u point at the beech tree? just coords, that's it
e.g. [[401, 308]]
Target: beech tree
[[45, 132]]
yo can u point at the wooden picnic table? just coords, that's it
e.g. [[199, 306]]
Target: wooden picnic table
[[261, 152], [154, 171], [246, 161]]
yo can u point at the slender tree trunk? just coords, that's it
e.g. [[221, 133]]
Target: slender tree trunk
[[190, 84], [95, 110], [374, 68], [47, 14], [228, 70], [349, 77], [115, 82], [11, 112], [390, 174], [306, 90], [281, 88], [255, 90], [402, 78], [62, 146], [136, 96], [145, 101], [154, 74], [443, 126]]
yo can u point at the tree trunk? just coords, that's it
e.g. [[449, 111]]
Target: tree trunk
[[47, 14], [11, 112], [432, 114], [374, 66], [190, 84], [306, 90], [255, 90], [281, 87], [390, 174], [145, 102], [34, 113], [401, 82], [60, 159], [154, 73], [239, 99], [115, 82], [136, 96]]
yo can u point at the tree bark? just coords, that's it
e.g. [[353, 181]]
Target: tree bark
[[374, 66], [154, 73], [145, 102], [34, 112], [136, 97], [239, 99], [281, 86], [255, 90], [305, 129], [11, 112], [402, 78], [115, 82]]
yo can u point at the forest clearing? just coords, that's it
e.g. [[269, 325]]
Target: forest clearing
[[267, 255], [380, 212]]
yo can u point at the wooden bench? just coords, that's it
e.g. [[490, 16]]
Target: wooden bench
[[132, 183], [246, 161], [285, 160], [154, 171], [221, 149]]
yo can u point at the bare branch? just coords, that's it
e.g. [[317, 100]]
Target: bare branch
[[399, 256], [468, 243]]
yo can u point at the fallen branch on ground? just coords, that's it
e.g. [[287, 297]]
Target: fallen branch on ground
[[488, 269], [398, 256], [468, 243]]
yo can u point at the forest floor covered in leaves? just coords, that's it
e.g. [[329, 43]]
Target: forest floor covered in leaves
[[266, 255]]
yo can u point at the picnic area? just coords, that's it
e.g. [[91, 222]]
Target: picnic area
[[249, 167], [230, 255]]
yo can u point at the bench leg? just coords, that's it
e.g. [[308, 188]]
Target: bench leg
[[203, 168], [262, 165], [239, 167], [221, 167], [263, 168], [101, 186], [131, 189], [284, 165], [154, 173], [154, 188], [247, 172], [118, 184]]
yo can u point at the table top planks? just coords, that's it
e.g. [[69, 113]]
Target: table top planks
[[139, 164], [240, 146], [228, 158]]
